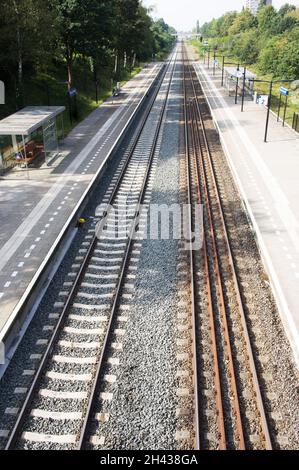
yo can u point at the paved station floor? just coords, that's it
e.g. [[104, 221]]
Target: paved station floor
[[268, 178], [36, 204]]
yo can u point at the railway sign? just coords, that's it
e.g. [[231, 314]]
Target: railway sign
[[262, 100], [283, 91], [72, 92]]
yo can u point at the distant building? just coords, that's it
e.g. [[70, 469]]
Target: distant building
[[253, 5]]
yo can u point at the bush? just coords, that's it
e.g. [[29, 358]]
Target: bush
[[246, 46], [269, 58], [281, 56]]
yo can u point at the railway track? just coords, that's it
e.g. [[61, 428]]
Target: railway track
[[219, 392], [228, 405], [67, 383]]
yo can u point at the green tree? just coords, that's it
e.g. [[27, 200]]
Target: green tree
[[262, 4], [294, 14], [285, 9], [226, 22], [242, 22], [163, 37], [23, 42], [268, 59], [83, 27], [268, 20], [246, 46], [125, 31], [288, 64]]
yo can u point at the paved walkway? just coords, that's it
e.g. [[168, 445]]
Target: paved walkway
[[268, 178], [33, 211]]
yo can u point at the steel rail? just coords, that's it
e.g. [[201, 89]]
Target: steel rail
[[192, 274], [212, 333], [14, 435], [220, 302], [231, 262], [250, 356]]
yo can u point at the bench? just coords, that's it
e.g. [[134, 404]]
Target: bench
[[33, 150]]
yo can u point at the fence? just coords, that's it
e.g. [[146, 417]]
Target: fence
[[295, 124]]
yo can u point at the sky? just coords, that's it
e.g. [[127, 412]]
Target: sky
[[182, 14]]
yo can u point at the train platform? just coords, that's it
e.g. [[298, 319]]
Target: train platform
[[36, 203], [267, 177]]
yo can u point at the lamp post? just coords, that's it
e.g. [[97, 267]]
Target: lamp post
[[243, 90], [209, 58], [222, 74], [268, 110], [214, 63], [237, 84], [285, 110]]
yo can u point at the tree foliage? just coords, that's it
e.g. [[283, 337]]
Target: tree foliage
[[270, 38], [37, 34]]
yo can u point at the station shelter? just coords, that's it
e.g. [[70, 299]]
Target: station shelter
[[29, 137], [233, 76]]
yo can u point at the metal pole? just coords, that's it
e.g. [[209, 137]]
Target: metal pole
[[237, 84], [268, 111], [243, 91], [214, 64], [208, 58], [222, 76], [279, 105], [25, 155], [285, 110]]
